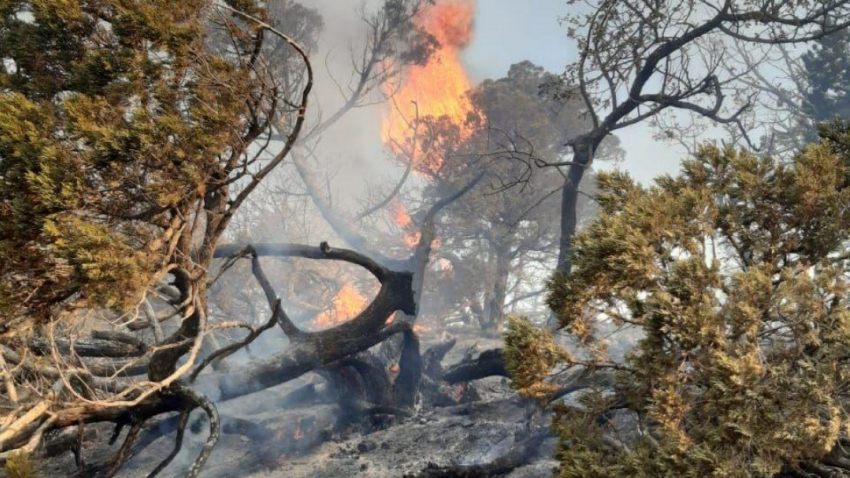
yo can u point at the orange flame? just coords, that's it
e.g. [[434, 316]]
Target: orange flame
[[400, 214], [412, 238], [437, 88], [347, 303], [457, 392], [402, 218]]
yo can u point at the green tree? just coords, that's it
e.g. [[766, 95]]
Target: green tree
[[126, 133], [735, 273], [827, 69], [113, 122]]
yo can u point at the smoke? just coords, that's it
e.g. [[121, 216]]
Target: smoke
[[351, 149], [435, 89]]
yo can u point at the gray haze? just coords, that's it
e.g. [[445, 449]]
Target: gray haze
[[506, 32]]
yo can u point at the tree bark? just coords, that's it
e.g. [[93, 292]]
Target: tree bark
[[496, 303], [311, 350], [488, 363], [583, 151]]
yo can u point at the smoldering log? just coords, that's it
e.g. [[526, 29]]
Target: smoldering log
[[311, 350], [488, 364]]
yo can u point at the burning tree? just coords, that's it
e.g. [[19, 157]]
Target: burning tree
[[425, 146], [435, 90], [507, 232], [409, 131]]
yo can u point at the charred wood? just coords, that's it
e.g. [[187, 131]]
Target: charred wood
[[94, 347], [406, 386], [520, 454], [489, 363]]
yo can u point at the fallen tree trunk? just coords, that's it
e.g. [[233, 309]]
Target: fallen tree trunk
[[488, 364], [311, 350], [306, 351]]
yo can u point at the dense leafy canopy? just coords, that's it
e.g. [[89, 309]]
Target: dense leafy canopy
[[114, 115], [735, 274]]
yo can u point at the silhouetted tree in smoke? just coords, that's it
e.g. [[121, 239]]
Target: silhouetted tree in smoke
[[790, 89], [637, 59], [827, 68], [509, 226]]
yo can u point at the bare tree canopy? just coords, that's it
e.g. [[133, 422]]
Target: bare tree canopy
[[637, 59]]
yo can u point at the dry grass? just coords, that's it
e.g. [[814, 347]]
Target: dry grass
[[20, 465]]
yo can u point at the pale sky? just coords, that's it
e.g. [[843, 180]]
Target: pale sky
[[510, 31]]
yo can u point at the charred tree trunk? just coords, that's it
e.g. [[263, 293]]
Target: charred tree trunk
[[583, 151], [499, 286], [406, 386], [488, 363], [311, 350], [193, 293]]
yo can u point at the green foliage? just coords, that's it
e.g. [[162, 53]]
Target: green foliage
[[735, 274], [530, 354], [114, 115]]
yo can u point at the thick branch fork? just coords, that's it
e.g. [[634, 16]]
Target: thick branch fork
[[310, 350]]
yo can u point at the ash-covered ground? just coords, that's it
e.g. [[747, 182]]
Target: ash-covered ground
[[267, 435]]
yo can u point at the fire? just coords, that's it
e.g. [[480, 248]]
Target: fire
[[416, 327], [400, 214], [347, 303], [457, 392], [402, 218], [412, 238], [437, 88]]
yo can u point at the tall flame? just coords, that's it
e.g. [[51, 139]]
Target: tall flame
[[347, 303], [437, 88]]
